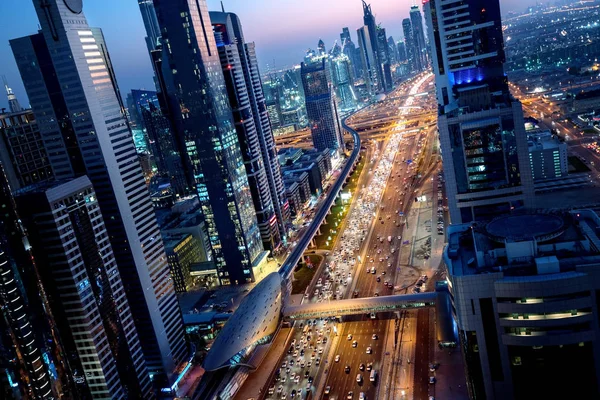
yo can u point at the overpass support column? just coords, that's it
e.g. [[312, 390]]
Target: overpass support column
[[313, 243]]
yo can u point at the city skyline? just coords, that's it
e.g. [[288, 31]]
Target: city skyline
[[126, 35]]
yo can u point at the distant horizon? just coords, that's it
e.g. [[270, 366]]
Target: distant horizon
[[282, 46]]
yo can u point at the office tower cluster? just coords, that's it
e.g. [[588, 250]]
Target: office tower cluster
[[87, 284], [415, 49], [88, 297]]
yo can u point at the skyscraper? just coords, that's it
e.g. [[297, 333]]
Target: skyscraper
[[22, 151], [321, 48], [70, 83], [80, 274], [385, 58], [369, 61], [482, 134], [321, 107], [33, 353], [418, 36], [244, 86], [150, 24], [409, 44], [345, 35], [343, 81], [349, 49], [204, 128], [371, 27]]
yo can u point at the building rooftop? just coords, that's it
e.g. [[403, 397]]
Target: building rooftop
[[524, 244], [524, 227]]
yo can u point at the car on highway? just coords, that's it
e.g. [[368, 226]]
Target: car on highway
[[369, 366], [337, 358], [349, 336], [359, 378], [354, 343], [347, 369], [369, 350], [362, 396], [350, 396], [374, 337], [327, 390], [432, 380]]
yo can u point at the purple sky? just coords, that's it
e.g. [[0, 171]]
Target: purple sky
[[282, 30]]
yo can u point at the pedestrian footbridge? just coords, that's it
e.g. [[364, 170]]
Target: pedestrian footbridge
[[364, 305]]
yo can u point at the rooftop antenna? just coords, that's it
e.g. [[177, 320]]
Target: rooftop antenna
[[222, 7]]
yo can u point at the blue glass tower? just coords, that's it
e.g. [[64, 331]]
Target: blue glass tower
[[204, 127]]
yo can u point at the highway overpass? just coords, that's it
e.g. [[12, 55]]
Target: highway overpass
[[291, 261]]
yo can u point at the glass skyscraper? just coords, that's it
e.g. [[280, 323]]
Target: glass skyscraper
[[371, 25], [482, 133], [418, 37], [204, 127], [244, 86], [72, 89], [321, 107], [79, 272]]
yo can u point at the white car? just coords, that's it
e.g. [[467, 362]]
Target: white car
[[328, 390], [337, 358], [369, 350]]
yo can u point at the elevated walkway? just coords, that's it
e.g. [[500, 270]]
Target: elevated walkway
[[364, 305]]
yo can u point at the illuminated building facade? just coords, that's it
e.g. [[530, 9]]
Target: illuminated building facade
[[204, 128], [481, 127], [70, 82], [321, 107], [244, 87]]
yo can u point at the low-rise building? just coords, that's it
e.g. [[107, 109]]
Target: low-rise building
[[183, 250], [547, 156]]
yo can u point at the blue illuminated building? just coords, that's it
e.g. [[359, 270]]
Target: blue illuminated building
[[482, 133]]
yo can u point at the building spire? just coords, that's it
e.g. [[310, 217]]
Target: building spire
[[13, 103]]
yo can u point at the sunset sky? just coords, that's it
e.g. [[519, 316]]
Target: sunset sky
[[282, 30]]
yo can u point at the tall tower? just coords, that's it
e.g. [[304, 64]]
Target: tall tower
[[321, 107], [87, 296], [371, 26], [150, 23], [68, 76], [482, 134], [409, 44], [418, 36], [244, 86], [384, 58], [205, 129], [321, 48], [369, 60]]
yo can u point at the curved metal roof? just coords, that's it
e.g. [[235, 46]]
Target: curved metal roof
[[256, 318]]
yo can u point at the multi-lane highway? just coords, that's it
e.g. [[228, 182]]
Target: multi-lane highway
[[362, 344], [372, 239]]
